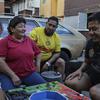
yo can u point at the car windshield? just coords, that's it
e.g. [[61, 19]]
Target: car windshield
[[60, 30]]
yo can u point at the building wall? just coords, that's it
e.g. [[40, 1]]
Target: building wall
[[79, 21], [60, 8], [52, 8], [45, 8], [1, 6], [26, 7], [72, 7]]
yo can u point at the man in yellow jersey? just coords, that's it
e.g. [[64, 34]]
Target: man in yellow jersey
[[49, 43]]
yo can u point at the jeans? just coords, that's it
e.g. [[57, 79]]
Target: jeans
[[33, 79]]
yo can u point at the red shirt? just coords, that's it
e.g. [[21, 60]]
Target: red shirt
[[19, 55]]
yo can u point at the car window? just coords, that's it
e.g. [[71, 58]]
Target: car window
[[63, 30], [5, 25], [30, 25], [60, 29], [5, 31], [42, 23]]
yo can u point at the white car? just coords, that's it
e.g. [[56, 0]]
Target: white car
[[72, 41]]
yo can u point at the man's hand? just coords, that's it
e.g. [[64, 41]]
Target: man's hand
[[77, 73], [45, 67], [38, 69]]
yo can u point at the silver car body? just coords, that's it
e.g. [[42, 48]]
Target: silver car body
[[74, 43]]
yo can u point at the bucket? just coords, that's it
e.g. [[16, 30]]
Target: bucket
[[47, 95], [52, 76]]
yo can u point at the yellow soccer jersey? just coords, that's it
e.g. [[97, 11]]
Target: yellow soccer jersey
[[47, 44]]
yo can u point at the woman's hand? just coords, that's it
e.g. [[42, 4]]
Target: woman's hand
[[16, 80], [2, 95]]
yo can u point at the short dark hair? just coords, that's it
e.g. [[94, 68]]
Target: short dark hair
[[53, 18], [14, 21], [94, 17]]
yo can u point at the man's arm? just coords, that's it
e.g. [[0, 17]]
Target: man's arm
[[56, 54], [54, 57], [50, 61], [83, 66]]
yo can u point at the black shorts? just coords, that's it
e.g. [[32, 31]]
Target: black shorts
[[63, 55], [93, 74]]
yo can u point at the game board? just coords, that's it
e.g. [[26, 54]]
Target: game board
[[23, 93]]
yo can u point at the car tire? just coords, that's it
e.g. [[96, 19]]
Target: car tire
[[66, 58]]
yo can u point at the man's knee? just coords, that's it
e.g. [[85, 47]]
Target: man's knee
[[71, 83], [60, 61], [74, 84], [93, 91]]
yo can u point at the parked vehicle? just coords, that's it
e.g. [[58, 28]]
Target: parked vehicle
[[84, 32], [72, 41]]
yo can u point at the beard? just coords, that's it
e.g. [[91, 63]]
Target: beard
[[49, 32]]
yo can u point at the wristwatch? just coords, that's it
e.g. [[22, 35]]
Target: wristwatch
[[48, 63]]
